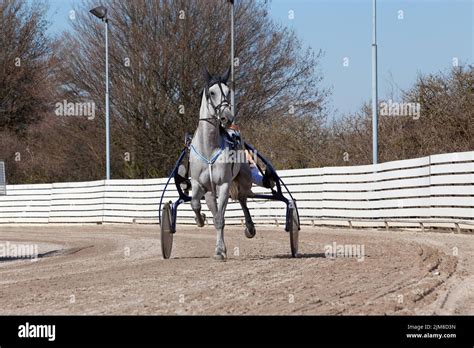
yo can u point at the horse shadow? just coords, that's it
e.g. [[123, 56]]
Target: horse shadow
[[256, 258], [288, 256], [302, 256]]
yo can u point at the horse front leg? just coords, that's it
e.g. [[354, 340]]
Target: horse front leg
[[211, 204], [219, 221], [197, 193]]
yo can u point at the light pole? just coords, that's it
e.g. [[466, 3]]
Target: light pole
[[101, 13], [374, 85], [232, 53]]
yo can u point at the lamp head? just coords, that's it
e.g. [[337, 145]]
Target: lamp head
[[100, 12]]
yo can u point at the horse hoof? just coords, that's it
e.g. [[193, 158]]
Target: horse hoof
[[250, 233], [220, 257], [201, 222]]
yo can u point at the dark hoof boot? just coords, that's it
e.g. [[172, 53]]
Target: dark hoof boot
[[250, 232]]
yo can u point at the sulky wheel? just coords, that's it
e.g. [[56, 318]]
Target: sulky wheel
[[294, 228], [166, 231]]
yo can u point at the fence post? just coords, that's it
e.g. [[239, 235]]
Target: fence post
[[104, 186]]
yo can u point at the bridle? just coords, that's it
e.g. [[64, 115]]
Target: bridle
[[218, 109]]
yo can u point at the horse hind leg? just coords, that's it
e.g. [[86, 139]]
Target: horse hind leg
[[197, 193], [241, 189], [250, 230]]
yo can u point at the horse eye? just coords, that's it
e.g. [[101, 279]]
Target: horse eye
[[212, 93]]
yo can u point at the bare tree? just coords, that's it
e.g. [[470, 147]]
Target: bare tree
[[27, 84], [159, 50], [25, 53], [445, 123]]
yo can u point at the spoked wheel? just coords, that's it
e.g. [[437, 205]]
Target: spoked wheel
[[294, 228], [166, 231]]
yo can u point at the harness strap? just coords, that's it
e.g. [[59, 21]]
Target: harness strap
[[209, 162], [204, 159]]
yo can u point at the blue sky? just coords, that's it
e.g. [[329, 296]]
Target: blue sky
[[430, 35]]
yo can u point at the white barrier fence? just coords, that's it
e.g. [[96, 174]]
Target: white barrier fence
[[436, 190]]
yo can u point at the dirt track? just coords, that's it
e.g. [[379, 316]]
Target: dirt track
[[119, 270]]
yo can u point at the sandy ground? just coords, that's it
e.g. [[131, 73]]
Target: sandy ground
[[118, 269]]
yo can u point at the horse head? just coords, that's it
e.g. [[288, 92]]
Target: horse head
[[218, 97]]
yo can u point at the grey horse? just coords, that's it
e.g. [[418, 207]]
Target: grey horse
[[214, 167]]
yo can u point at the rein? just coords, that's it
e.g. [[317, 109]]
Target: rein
[[209, 119]]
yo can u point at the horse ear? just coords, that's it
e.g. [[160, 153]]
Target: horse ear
[[226, 76], [207, 76]]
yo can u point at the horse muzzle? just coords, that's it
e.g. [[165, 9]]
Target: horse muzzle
[[226, 117]]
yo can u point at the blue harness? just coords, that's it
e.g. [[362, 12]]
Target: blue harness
[[213, 158], [209, 162]]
